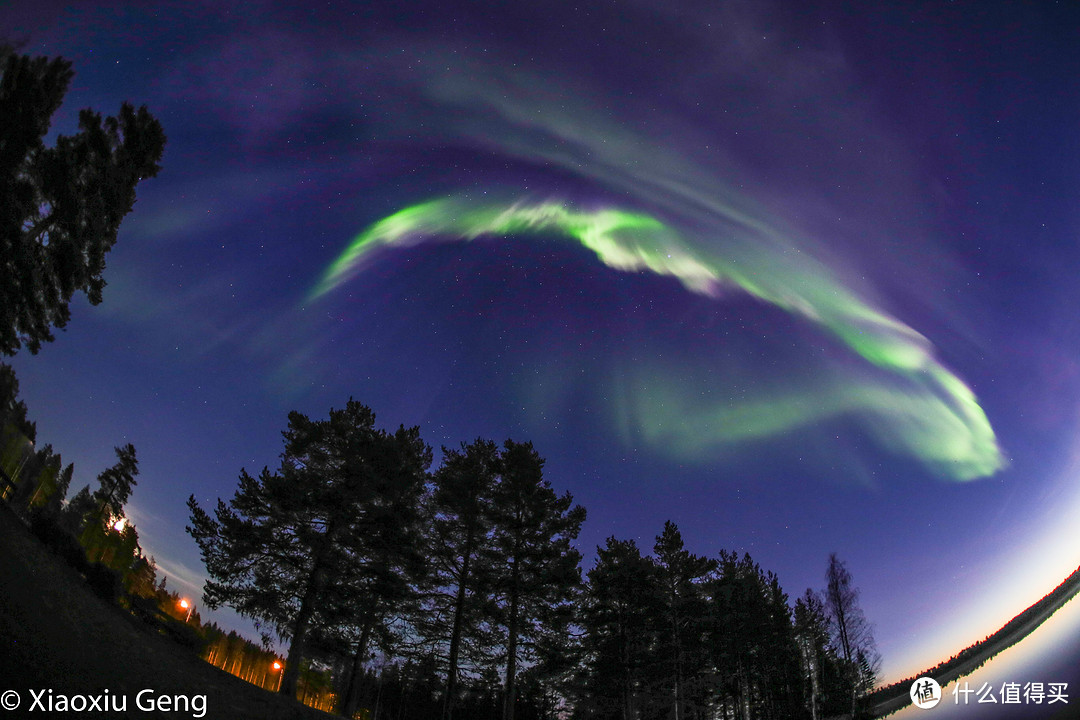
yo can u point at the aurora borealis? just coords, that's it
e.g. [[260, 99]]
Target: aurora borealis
[[924, 409], [799, 279]]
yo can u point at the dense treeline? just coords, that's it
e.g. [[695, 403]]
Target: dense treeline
[[677, 635], [459, 592], [89, 530], [407, 592]]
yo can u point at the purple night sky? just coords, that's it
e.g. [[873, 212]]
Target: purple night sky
[[881, 359]]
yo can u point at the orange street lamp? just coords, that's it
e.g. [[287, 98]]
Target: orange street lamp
[[277, 669], [190, 607]]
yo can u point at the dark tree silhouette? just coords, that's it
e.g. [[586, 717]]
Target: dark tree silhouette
[[752, 642], [621, 616], [60, 207], [331, 523], [106, 505], [87, 514], [116, 482], [852, 635], [40, 480], [17, 434], [55, 502], [817, 660], [387, 565], [681, 635], [12, 409], [460, 541], [44, 485], [77, 510], [537, 568], [680, 575]]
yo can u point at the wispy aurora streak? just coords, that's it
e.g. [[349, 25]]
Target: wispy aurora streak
[[922, 409]]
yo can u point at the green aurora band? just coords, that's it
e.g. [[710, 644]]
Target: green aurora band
[[923, 409]]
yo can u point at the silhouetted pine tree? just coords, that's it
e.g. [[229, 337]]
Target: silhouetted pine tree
[[335, 520], [621, 617], [752, 643], [60, 207], [12, 409], [681, 646], [38, 479], [55, 501], [460, 534], [94, 514], [380, 590], [535, 567], [781, 675], [73, 517], [115, 483]]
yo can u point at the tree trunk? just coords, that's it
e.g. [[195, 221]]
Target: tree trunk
[[628, 682], [455, 633], [511, 645], [678, 661], [290, 677], [744, 689], [352, 695]]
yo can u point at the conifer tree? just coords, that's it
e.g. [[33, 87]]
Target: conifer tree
[[334, 522], [536, 567], [621, 619], [90, 515], [680, 576], [115, 483], [38, 479], [56, 500], [752, 642], [12, 409], [460, 531], [60, 207], [78, 509]]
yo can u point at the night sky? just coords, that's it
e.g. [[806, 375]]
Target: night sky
[[799, 280]]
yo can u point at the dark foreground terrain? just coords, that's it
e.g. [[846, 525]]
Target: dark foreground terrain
[[55, 634]]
